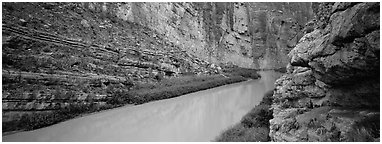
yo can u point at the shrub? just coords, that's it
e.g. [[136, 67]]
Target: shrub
[[239, 133], [244, 72], [257, 117], [365, 130], [39, 120], [281, 70], [159, 77], [120, 97], [268, 98]]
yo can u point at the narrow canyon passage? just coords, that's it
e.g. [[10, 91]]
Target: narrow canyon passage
[[199, 116]]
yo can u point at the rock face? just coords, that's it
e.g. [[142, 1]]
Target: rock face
[[243, 34], [331, 90]]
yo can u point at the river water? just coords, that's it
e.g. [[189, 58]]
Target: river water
[[199, 116]]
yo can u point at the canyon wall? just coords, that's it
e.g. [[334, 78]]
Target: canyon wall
[[252, 35], [57, 55], [60, 54], [331, 91]]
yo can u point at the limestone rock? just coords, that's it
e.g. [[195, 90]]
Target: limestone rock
[[349, 24], [333, 73]]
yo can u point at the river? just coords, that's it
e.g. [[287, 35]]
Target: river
[[199, 116]]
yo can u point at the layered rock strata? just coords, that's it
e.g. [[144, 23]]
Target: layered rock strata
[[251, 35]]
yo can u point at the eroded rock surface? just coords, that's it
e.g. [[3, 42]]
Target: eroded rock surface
[[251, 35], [331, 90]]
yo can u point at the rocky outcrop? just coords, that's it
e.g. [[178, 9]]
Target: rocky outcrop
[[331, 90]]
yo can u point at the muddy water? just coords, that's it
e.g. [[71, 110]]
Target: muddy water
[[199, 116]]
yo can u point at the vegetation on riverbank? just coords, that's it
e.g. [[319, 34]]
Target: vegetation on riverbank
[[169, 88], [238, 71], [42, 119], [173, 87], [254, 126], [140, 93], [281, 70]]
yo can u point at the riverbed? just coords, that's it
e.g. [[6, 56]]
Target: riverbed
[[199, 116]]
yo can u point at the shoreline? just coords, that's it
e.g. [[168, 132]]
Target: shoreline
[[254, 126], [73, 113], [40, 121]]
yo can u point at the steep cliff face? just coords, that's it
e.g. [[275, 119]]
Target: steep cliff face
[[252, 35], [331, 90], [275, 30]]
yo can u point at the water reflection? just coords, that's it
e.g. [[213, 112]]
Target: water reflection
[[198, 116]]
